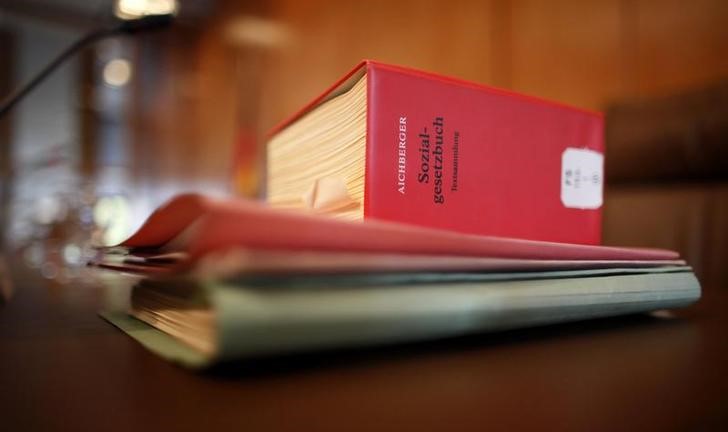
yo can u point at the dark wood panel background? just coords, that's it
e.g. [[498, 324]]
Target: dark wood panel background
[[214, 80], [7, 64]]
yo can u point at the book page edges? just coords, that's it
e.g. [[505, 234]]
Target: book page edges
[[157, 341], [343, 85], [254, 322]]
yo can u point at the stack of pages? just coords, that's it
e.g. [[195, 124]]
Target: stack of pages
[[225, 280]]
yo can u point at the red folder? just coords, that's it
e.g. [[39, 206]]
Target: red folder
[[198, 225]]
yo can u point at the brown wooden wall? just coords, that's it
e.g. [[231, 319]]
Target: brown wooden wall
[[586, 53], [7, 63]]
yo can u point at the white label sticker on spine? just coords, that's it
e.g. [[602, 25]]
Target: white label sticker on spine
[[582, 178]]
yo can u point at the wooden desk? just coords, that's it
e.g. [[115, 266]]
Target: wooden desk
[[62, 367]]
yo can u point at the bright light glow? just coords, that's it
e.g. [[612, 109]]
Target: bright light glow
[[134, 9], [256, 31], [117, 72], [72, 254], [113, 213]]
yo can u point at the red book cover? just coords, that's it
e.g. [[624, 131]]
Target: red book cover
[[198, 225], [451, 154]]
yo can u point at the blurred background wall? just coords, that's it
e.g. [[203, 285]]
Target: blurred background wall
[[198, 98]]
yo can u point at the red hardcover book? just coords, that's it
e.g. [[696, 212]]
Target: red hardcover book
[[444, 153]]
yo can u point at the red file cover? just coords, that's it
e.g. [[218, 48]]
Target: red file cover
[[451, 154], [198, 225]]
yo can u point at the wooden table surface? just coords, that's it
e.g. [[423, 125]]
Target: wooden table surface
[[64, 368]]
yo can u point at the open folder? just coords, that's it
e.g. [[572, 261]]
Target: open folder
[[229, 279]]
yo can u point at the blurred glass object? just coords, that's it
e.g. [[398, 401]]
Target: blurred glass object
[[133, 9], [65, 227]]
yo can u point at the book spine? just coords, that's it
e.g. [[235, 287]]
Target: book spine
[[468, 158]]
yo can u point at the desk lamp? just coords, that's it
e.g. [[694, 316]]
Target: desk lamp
[[132, 17]]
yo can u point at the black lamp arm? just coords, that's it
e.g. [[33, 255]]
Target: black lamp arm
[[127, 27]]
